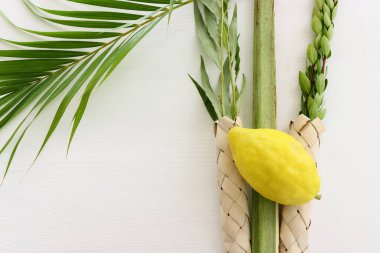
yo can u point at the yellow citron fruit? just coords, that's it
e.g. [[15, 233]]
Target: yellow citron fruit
[[275, 165]]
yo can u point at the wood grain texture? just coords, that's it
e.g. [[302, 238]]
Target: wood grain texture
[[141, 174]]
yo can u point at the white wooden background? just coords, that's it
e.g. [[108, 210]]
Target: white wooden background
[[140, 176]]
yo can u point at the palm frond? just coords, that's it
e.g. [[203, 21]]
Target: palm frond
[[70, 63]]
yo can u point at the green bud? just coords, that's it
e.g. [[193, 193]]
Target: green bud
[[325, 45], [317, 41], [312, 108], [334, 11], [326, 8], [318, 99], [330, 3], [322, 113], [326, 19], [312, 54], [316, 24], [319, 4], [304, 83], [330, 32], [320, 83]]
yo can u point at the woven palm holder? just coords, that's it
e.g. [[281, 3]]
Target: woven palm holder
[[296, 220], [234, 212]]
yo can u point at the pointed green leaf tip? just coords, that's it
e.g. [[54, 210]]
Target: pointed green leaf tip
[[322, 113], [320, 83], [325, 45], [330, 3], [304, 83], [318, 100], [312, 108], [316, 24], [326, 19], [319, 4], [312, 54], [326, 8]]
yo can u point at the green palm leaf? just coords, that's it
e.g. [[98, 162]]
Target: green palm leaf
[[37, 72]]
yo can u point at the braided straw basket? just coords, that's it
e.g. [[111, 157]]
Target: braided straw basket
[[234, 212], [296, 220]]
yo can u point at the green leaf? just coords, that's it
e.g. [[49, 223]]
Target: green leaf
[[102, 15], [13, 88], [319, 67], [330, 3], [118, 4], [318, 99], [57, 84], [108, 65], [330, 32], [64, 44], [12, 155], [226, 89], [213, 6], [317, 12], [69, 96], [131, 43], [322, 113], [6, 76], [325, 46], [209, 90], [319, 4], [239, 100], [326, 19], [213, 27], [75, 35], [17, 82], [316, 25], [317, 40], [31, 66], [204, 36], [233, 33], [312, 54], [312, 109], [19, 96], [65, 34], [304, 83], [156, 1], [86, 23], [237, 59], [41, 53], [33, 94], [205, 99], [320, 83], [326, 8]]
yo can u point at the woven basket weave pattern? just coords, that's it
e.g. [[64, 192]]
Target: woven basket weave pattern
[[234, 212], [296, 220]]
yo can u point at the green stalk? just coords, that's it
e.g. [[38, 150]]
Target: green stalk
[[264, 212]]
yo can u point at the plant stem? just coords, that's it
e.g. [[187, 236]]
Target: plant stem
[[264, 212]]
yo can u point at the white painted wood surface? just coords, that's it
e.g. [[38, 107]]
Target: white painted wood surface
[[140, 176]]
